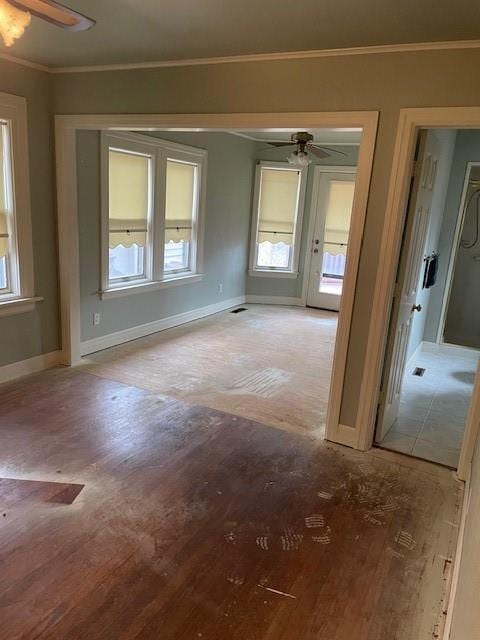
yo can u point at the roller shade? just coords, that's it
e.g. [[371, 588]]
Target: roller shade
[[339, 211], [278, 205], [128, 202], [179, 201], [3, 234], [3, 197]]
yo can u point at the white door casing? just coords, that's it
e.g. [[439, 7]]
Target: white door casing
[[408, 281], [66, 127], [316, 298]]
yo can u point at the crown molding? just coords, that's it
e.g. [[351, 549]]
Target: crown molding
[[25, 63], [413, 47]]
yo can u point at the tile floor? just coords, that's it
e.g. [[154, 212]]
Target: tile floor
[[434, 407]]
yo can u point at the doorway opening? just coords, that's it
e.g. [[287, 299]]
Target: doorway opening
[[434, 323], [185, 212]]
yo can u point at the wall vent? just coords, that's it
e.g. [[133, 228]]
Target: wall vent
[[239, 309]]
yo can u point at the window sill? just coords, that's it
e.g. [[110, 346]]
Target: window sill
[[272, 273], [144, 287], [11, 306]]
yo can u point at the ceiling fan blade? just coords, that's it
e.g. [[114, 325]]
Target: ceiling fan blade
[[281, 144], [278, 145], [317, 151], [55, 13], [322, 148]]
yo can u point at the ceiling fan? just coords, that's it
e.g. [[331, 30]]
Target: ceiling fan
[[15, 16], [304, 145]]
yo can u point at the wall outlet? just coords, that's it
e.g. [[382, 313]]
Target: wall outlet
[[220, 288], [96, 319]]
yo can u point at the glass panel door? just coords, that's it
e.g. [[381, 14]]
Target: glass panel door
[[330, 241]]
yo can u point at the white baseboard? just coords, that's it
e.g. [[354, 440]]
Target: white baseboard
[[446, 347], [32, 365], [119, 337], [411, 361], [295, 302]]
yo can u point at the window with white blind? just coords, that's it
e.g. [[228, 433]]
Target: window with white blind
[[16, 260], [129, 214], [335, 239], [180, 207], [152, 213], [277, 218], [6, 218]]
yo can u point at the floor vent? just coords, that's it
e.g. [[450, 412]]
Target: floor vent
[[239, 309], [418, 371]]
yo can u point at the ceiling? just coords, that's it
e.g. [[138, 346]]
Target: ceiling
[[320, 136], [130, 31]]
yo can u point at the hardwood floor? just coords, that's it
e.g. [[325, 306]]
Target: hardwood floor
[[271, 364], [195, 523], [13, 492]]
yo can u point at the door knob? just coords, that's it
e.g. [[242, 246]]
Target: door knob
[[417, 307], [315, 251], [317, 241]]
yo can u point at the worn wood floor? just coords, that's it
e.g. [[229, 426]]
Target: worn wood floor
[[195, 523], [271, 364]]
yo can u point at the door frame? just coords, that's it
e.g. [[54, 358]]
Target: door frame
[[318, 170], [66, 127], [411, 120], [453, 255]]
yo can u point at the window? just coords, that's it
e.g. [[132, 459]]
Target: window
[[6, 218], [335, 240], [180, 208], [277, 218], [130, 187], [152, 191], [16, 271]]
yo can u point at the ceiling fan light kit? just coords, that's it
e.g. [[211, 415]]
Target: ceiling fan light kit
[[15, 16], [13, 22], [299, 158]]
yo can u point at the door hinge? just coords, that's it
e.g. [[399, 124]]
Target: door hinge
[[416, 169], [396, 290]]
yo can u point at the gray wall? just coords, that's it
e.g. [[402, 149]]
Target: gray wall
[[287, 287], [462, 324], [381, 82], [230, 175], [446, 145], [26, 335], [467, 148], [385, 83]]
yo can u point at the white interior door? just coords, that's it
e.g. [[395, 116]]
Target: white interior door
[[408, 281], [330, 239]]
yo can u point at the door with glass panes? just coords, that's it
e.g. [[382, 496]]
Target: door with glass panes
[[330, 239]]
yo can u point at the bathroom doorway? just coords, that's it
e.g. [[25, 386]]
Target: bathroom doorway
[[428, 379]]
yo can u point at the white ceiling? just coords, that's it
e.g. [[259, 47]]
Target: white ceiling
[[129, 31]]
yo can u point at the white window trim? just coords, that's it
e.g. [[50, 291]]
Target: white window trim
[[161, 151], [261, 272], [118, 292], [292, 272], [21, 299]]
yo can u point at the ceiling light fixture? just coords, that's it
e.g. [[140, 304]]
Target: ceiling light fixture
[[299, 158], [15, 16], [13, 22]]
